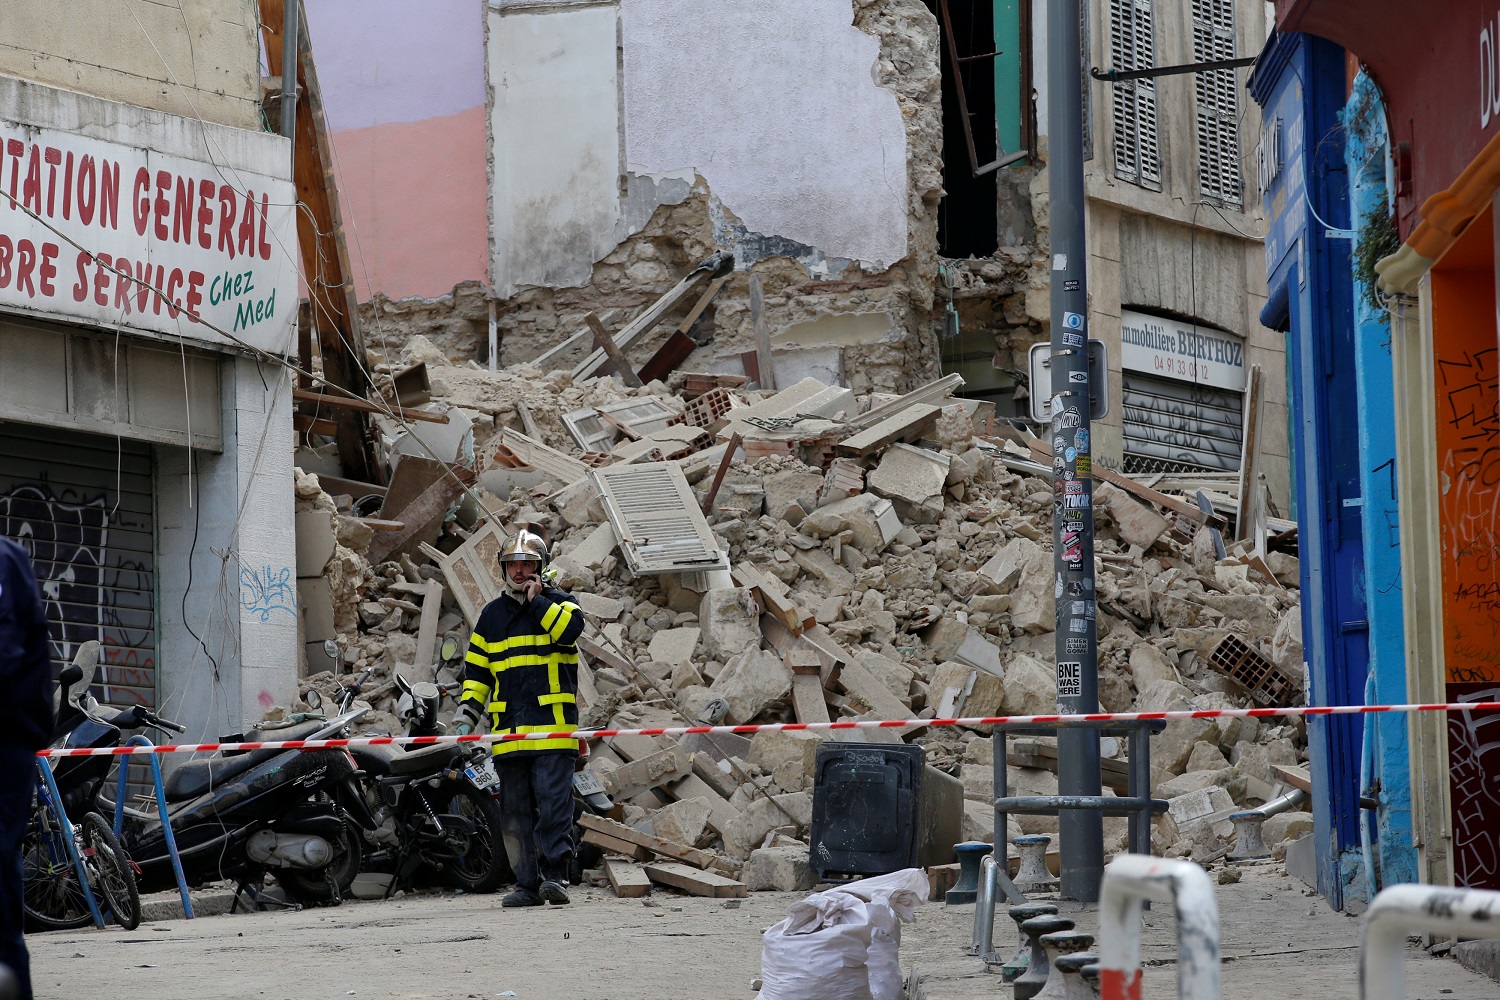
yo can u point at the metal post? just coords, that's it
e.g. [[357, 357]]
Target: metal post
[[289, 71], [1081, 832], [1130, 880], [1401, 909]]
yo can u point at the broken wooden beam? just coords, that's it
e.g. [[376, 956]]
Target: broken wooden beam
[[627, 880], [699, 883], [624, 848], [764, 361], [617, 359], [365, 406], [647, 320], [666, 848], [432, 503]]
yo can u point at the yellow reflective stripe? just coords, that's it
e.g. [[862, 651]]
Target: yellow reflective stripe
[[478, 689], [562, 698], [515, 745], [551, 616], [522, 660], [515, 642], [554, 683], [557, 716], [495, 706], [476, 658], [564, 617]]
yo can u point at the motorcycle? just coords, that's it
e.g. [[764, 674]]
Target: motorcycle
[[240, 815], [428, 810]]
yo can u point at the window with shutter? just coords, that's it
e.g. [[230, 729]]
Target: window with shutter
[[1218, 115], [1132, 36], [656, 518]]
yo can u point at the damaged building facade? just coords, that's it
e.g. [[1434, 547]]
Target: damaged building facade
[[823, 146], [147, 250]]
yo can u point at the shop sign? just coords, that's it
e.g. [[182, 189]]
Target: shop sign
[[121, 237], [1169, 348]]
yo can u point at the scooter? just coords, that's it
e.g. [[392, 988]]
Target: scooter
[[429, 808], [242, 814]]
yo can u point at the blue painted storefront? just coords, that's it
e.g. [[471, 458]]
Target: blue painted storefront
[[1299, 82]]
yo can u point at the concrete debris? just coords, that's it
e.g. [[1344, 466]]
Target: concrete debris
[[883, 555]]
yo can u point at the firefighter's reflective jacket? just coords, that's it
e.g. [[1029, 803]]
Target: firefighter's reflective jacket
[[521, 674]]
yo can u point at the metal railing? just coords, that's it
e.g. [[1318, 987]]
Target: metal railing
[[1129, 881], [1401, 909]]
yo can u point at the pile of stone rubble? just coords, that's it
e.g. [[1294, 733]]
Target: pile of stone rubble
[[888, 557]]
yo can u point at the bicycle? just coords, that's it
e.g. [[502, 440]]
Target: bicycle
[[64, 864]]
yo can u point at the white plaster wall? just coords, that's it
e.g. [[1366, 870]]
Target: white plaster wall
[[556, 141], [239, 502], [774, 102]]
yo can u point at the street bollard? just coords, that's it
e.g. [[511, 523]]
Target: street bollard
[[1057, 947], [1129, 881], [1033, 875], [1401, 909], [966, 889], [1249, 845], [983, 942], [1090, 974], [1022, 960], [1029, 983], [1075, 986]]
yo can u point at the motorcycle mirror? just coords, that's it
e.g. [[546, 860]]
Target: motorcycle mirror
[[403, 684], [331, 648], [314, 699], [449, 648]]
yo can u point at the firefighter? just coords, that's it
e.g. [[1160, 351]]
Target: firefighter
[[521, 676]]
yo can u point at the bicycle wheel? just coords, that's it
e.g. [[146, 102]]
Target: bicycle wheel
[[52, 898], [111, 871]]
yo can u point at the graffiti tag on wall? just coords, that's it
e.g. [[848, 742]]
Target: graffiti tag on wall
[[268, 592], [92, 589]]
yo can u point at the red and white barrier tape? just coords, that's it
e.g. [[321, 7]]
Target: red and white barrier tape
[[1218, 713]]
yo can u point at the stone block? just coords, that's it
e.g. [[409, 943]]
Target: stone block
[[751, 682], [912, 478], [1188, 781], [1030, 687], [1032, 781], [1208, 808], [1135, 523], [784, 489], [820, 564], [789, 756], [957, 690], [1033, 604], [763, 815], [1003, 571], [1286, 826], [1206, 757], [674, 645], [1149, 664], [1255, 759], [872, 520], [977, 651], [1286, 642], [730, 620], [894, 675], [684, 821], [979, 823], [785, 868], [580, 504], [600, 609], [979, 782]]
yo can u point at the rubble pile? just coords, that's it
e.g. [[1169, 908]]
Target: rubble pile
[[887, 557]]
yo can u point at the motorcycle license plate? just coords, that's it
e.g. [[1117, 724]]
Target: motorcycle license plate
[[483, 776], [587, 783]]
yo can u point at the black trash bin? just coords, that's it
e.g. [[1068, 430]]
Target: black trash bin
[[877, 809]]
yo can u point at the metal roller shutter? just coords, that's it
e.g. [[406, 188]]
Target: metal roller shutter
[[1173, 426], [83, 506]]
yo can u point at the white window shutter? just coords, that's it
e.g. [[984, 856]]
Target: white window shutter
[[1132, 32], [656, 518], [1217, 117], [1122, 57]]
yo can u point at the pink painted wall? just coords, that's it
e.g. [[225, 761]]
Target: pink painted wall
[[403, 87]]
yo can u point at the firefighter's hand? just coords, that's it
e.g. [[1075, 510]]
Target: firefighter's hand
[[532, 587], [463, 729]]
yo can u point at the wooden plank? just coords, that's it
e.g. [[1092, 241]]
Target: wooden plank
[[647, 320], [773, 597], [709, 294], [378, 524], [636, 749], [1175, 504], [617, 359], [780, 638], [417, 515], [1029, 753], [678, 347], [304, 424], [432, 610], [807, 699], [764, 362], [621, 847], [904, 426], [627, 880], [699, 883], [334, 309], [1250, 455], [713, 490], [678, 852], [1297, 777], [863, 686], [365, 406]]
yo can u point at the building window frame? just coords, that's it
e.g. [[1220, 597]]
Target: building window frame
[[1137, 135], [1217, 106]]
